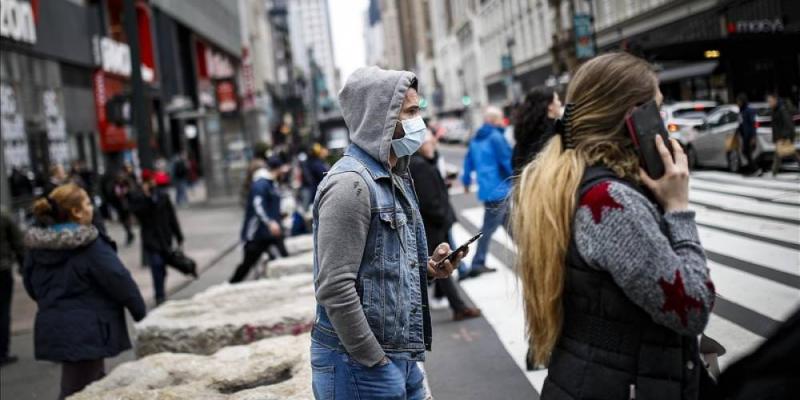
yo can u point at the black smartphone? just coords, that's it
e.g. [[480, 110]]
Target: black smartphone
[[644, 123], [461, 248]]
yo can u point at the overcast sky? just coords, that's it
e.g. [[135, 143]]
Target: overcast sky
[[347, 25]]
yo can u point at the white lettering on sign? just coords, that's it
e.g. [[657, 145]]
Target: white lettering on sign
[[16, 21], [12, 127], [219, 66], [760, 26], [115, 58]]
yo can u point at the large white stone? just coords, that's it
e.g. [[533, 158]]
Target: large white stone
[[299, 244], [227, 315], [268, 369], [296, 264]]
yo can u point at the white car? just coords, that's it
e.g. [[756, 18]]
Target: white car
[[685, 114], [454, 130]]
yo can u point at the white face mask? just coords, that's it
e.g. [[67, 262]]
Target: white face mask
[[414, 129]]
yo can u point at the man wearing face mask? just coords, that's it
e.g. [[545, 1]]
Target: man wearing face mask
[[371, 263]]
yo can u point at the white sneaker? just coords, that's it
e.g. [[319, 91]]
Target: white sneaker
[[439, 304]]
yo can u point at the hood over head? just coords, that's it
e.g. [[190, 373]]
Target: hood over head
[[371, 101], [51, 245]]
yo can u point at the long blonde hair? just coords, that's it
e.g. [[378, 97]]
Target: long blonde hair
[[603, 90]]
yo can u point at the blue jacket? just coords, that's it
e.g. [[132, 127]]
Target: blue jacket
[[263, 206], [748, 124], [392, 277], [82, 290], [489, 155]]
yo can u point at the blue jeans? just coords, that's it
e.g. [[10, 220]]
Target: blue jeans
[[337, 376], [463, 268], [181, 197], [496, 213], [158, 268]]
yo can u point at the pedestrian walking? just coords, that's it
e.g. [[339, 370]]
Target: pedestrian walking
[[747, 132], [12, 252], [159, 229], [371, 264], [614, 278], [80, 287], [438, 217], [534, 120], [783, 134], [489, 156], [180, 178], [261, 227], [313, 169]]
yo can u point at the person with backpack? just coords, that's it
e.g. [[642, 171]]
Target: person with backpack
[[614, 279], [81, 289]]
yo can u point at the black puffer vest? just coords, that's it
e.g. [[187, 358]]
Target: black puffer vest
[[609, 347]]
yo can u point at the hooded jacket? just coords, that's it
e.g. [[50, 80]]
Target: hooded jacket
[[369, 242], [81, 289], [263, 206], [489, 155]]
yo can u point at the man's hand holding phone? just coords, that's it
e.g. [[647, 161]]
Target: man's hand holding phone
[[445, 269], [672, 189]]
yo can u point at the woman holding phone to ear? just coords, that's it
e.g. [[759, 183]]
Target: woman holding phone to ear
[[614, 278]]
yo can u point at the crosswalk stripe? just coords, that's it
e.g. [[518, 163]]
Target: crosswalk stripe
[[736, 340], [756, 226], [764, 254], [762, 194], [715, 176], [779, 212], [498, 296], [764, 296]]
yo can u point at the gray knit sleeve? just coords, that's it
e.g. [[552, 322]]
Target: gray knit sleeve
[[344, 219], [618, 230]]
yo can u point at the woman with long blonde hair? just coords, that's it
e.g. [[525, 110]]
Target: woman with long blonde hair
[[614, 278]]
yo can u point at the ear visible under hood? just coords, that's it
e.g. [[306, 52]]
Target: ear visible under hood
[[371, 101], [68, 238]]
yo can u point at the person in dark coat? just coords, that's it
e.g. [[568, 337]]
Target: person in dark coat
[[747, 130], [314, 170], [11, 252], [533, 125], [437, 217], [80, 287], [159, 227], [782, 128], [262, 218]]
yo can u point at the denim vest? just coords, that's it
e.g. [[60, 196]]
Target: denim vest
[[392, 277]]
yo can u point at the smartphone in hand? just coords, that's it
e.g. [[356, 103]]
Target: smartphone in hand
[[644, 123], [453, 254]]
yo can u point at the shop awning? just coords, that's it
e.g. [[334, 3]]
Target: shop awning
[[687, 71]]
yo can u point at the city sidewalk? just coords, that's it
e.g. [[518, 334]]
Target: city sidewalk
[[211, 233]]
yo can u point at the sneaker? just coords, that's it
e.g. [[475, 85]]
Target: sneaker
[[439, 303], [467, 313]]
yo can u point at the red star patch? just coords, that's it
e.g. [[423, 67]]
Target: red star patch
[[598, 198], [676, 299]]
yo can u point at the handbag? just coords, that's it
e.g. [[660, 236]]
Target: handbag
[[732, 143], [784, 148], [181, 262]]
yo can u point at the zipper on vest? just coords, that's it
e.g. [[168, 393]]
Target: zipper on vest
[[632, 392]]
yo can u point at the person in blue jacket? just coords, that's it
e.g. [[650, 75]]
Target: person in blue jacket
[[489, 156], [81, 289], [262, 217]]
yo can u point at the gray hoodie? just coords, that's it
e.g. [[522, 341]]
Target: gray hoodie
[[371, 101]]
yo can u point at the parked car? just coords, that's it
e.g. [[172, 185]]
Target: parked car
[[453, 130], [685, 114], [705, 144]]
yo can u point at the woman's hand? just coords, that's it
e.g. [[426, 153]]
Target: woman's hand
[[446, 269], [672, 189]]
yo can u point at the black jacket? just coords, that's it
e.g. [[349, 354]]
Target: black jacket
[[157, 219], [82, 290], [434, 201], [609, 348], [782, 124]]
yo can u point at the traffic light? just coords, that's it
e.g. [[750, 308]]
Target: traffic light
[[466, 100]]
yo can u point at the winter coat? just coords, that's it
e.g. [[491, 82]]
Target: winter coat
[[314, 171], [747, 127], [263, 206], [82, 290], [782, 124], [489, 156], [11, 248], [434, 201], [157, 219]]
